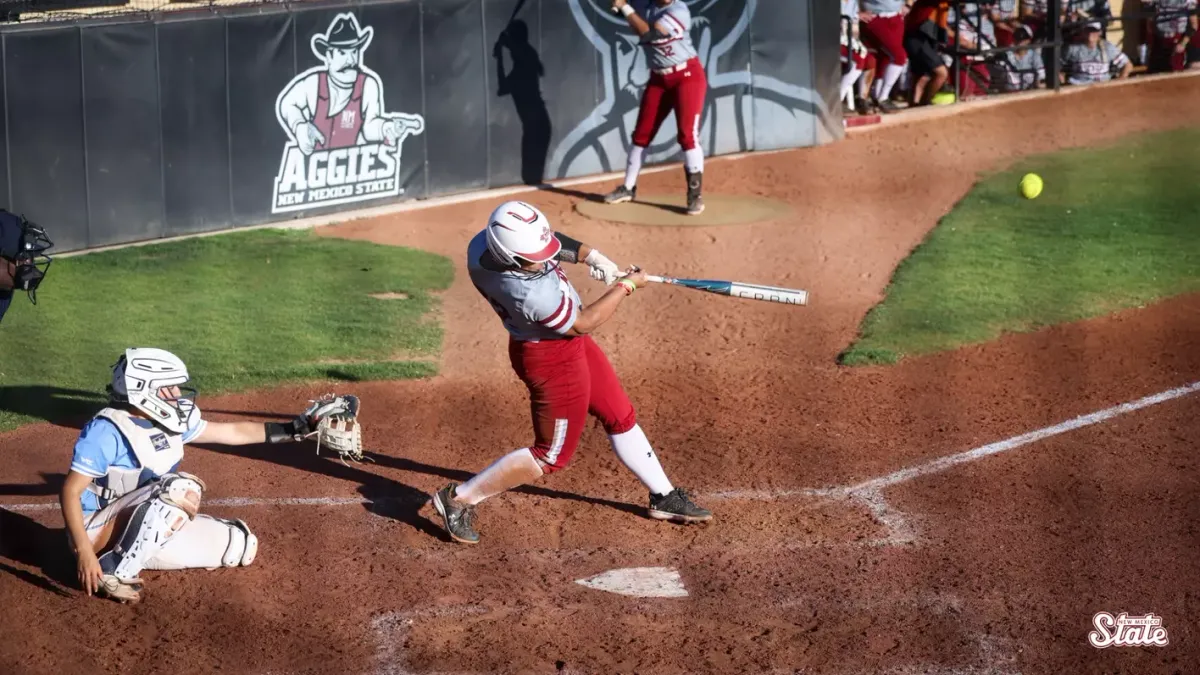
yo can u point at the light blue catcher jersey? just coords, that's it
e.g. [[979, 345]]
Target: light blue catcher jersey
[[541, 306], [101, 446], [674, 47]]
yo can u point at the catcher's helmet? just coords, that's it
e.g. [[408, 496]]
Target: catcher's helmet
[[519, 230], [139, 375]]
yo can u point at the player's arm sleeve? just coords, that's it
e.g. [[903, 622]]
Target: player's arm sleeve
[[196, 426], [98, 442], [1119, 58], [555, 310], [569, 252]]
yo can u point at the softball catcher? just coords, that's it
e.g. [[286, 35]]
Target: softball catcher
[[514, 264], [127, 505]]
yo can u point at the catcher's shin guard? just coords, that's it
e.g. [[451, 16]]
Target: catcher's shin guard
[[173, 505]]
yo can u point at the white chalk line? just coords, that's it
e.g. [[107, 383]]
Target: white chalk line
[[899, 528]]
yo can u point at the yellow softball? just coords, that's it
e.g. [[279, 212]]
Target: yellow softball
[[1031, 185]]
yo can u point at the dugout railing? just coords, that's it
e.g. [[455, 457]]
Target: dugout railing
[[1056, 34]]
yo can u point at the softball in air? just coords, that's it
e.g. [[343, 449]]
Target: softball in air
[[1031, 185]]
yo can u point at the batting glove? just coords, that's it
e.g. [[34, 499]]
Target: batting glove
[[603, 269]]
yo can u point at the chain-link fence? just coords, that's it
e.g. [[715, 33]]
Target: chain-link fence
[[33, 11]]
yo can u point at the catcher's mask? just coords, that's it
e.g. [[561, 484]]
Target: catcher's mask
[[25, 245], [139, 377]]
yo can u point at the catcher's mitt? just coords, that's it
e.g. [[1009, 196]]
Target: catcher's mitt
[[334, 421]]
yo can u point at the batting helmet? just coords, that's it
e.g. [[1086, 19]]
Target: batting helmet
[[519, 230]]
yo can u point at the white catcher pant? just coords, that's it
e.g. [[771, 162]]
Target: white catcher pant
[[198, 545]]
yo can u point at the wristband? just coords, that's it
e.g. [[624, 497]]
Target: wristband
[[283, 433], [626, 10], [628, 285]]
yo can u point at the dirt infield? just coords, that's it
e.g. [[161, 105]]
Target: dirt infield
[[992, 565]]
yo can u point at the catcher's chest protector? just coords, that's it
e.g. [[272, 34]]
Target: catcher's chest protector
[[157, 451]]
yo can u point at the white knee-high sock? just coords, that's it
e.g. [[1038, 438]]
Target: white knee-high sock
[[694, 159], [848, 81], [634, 450], [634, 166], [516, 468], [890, 75]]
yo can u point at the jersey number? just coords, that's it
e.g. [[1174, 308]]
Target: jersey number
[[504, 315], [667, 50]]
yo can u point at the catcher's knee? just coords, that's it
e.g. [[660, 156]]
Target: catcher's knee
[[243, 545], [182, 491]]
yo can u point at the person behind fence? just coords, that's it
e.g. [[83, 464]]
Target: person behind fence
[[1172, 34], [924, 31], [972, 32], [1035, 15], [856, 60], [1023, 67], [23, 258], [882, 31], [1006, 20], [1094, 60], [126, 504]]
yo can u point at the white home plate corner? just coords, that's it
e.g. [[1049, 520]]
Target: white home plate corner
[[639, 582]]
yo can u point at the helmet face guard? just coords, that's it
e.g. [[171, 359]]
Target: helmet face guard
[[31, 262], [139, 377]]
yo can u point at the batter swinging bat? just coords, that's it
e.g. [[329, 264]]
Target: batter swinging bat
[[786, 296]]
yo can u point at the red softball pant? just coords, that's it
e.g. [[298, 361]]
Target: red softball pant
[[885, 34], [568, 379], [683, 92]]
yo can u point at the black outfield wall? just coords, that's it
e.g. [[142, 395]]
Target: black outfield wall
[[128, 130]]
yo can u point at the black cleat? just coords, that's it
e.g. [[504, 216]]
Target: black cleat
[[458, 519], [621, 195], [676, 506], [695, 203], [887, 106]]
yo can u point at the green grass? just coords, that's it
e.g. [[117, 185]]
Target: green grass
[[1114, 228], [243, 310]]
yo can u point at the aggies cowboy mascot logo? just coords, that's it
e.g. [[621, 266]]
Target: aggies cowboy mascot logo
[[342, 146]]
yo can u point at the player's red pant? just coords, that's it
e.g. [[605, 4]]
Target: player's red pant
[[567, 380], [682, 91], [885, 34]]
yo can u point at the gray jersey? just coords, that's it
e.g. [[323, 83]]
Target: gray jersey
[[1084, 64], [532, 306], [1024, 70], [850, 9], [672, 45], [884, 7], [1171, 19]]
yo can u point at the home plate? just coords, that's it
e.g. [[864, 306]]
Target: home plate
[[639, 582]]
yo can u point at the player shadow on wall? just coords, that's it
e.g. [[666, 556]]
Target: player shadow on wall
[[522, 83], [64, 407]]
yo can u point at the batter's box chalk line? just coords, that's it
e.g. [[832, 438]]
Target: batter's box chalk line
[[900, 528]]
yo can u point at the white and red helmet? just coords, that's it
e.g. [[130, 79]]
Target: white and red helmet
[[520, 230]]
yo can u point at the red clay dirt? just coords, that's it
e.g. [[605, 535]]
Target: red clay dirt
[[997, 566]]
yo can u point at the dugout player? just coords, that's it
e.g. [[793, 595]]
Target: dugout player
[[127, 506], [677, 83], [514, 264], [882, 30], [23, 258], [1172, 31], [925, 28], [1094, 60]]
